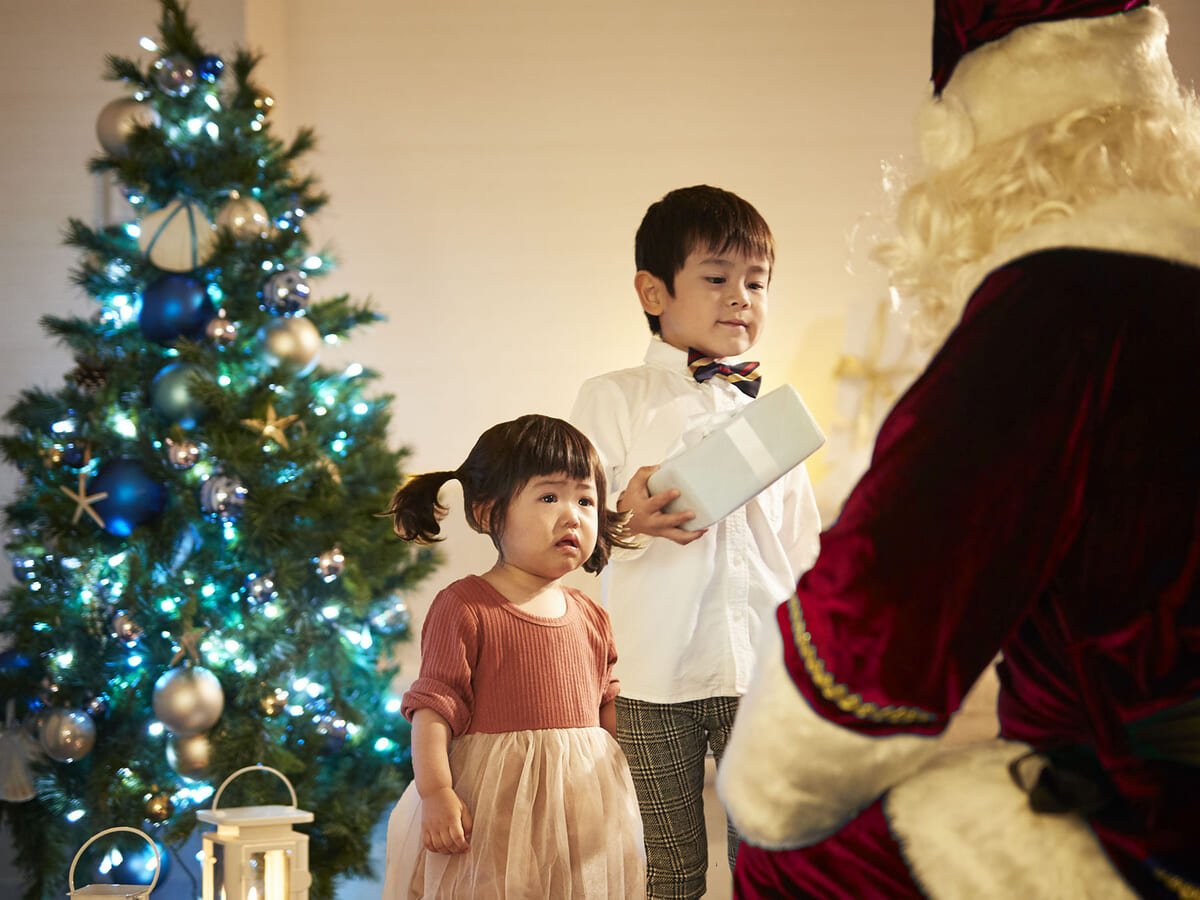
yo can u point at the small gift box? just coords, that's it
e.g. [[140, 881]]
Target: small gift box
[[740, 458]]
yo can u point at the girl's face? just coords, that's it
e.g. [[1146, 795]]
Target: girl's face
[[550, 526]]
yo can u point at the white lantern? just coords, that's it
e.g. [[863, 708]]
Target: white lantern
[[124, 891], [254, 854]]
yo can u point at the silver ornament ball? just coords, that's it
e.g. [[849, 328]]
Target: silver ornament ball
[[329, 565], [67, 734], [182, 454], [190, 755], [244, 217], [189, 700], [222, 496], [125, 629], [293, 340], [221, 331], [174, 75], [260, 588], [117, 119], [285, 293]]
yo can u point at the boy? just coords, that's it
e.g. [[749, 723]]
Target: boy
[[687, 606]]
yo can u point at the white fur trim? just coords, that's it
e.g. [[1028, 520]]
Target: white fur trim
[[1144, 224], [788, 777], [1041, 72], [968, 831]]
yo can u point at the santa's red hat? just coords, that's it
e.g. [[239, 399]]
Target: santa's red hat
[[959, 26], [1003, 66]]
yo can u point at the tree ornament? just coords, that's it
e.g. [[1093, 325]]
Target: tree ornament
[[188, 700], [189, 755], [67, 734], [221, 331], [272, 427], [293, 340], [97, 707], [222, 496], [329, 565], [260, 588], [210, 67], [285, 293], [18, 750], [174, 75], [90, 374], [334, 729], [159, 808], [74, 455], [85, 502], [117, 120], [173, 394], [275, 702], [395, 618], [174, 307], [183, 453], [124, 629], [244, 217], [131, 496], [177, 238]]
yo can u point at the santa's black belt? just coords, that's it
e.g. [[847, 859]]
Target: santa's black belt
[[1071, 779]]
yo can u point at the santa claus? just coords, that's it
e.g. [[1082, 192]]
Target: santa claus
[[1035, 493]]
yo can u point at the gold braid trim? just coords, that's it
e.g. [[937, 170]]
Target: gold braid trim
[[838, 694], [1177, 885]]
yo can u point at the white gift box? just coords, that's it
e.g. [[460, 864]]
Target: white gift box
[[740, 458]]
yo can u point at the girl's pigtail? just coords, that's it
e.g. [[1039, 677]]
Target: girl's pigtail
[[415, 510]]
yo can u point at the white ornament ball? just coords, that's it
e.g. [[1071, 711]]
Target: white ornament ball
[[117, 119], [244, 217], [293, 340], [190, 755], [67, 734], [179, 237], [189, 700]]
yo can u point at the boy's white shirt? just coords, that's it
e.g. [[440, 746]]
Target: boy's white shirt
[[686, 619]]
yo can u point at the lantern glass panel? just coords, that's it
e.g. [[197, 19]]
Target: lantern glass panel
[[269, 875]]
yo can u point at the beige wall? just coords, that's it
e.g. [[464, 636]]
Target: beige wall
[[488, 164]]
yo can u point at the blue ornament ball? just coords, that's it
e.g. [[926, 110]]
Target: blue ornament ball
[[210, 68], [285, 293], [134, 498], [13, 660], [172, 394], [74, 455], [122, 859], [173, 307]]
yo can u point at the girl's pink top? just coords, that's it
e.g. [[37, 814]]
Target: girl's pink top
[[488, 667]]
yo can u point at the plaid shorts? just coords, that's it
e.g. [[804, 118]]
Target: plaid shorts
[[666, 744]]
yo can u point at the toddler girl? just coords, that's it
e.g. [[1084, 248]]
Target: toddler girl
[[520, 789]]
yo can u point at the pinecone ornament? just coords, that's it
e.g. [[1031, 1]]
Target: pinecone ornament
[[90, 374]]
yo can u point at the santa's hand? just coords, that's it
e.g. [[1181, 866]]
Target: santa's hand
[[647, 510]]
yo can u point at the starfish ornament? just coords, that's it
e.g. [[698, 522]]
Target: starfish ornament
[[84, 500], [273, 427]]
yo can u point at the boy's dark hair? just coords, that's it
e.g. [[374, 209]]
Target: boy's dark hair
[[503, 461], [698, 217]]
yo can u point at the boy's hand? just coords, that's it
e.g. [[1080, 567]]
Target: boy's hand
[[445, 822], [647, 510]]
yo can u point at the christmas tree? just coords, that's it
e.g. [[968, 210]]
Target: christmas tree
[[203, 581]]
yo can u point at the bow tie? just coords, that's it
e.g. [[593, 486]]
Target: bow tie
[[741, 375]]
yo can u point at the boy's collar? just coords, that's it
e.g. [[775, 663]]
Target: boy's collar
[[665, 356]]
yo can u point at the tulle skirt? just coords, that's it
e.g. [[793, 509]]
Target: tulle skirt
[[555, 815]]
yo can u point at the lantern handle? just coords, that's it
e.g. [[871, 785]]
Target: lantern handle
[[107, 831], [255, 768]]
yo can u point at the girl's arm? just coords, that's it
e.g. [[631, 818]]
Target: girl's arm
[[445, 819], [608, 717]]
